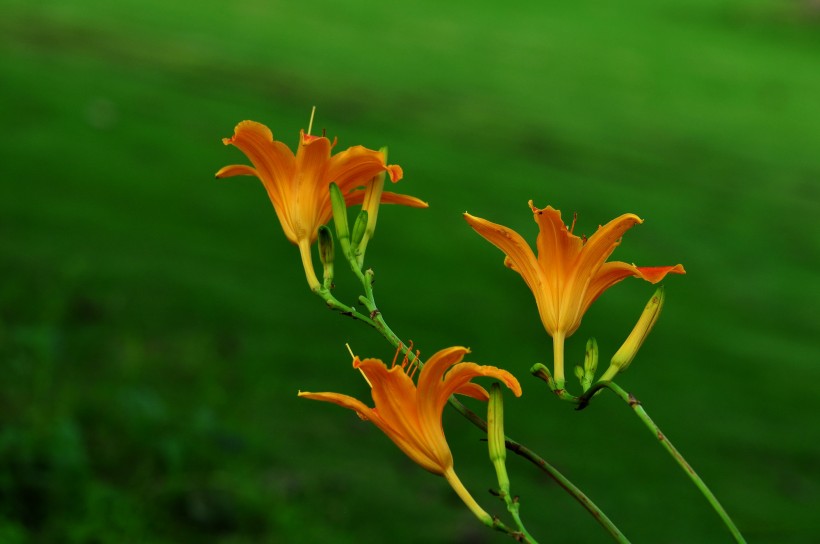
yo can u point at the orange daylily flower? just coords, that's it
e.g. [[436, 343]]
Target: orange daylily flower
[[298, 184], [410, 415], [569, 272]]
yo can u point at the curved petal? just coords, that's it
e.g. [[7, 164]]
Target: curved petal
[[310, 184], [395, 172], [312, 157], [654, 274], [612, 272], [428, 401], [274, 161], [356, 196], [396, 400], [396, 435], [557, 247], [473, 390], [517, 250], [345, 401], [236, 170], [601, 244], [463, 373], [432, 373], [356, 166], [580, 274], [519, 257]]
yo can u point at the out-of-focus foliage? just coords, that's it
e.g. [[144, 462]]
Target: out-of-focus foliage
[[155, 324]]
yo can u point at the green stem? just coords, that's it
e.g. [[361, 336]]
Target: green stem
[[551, 471], [376, 320], [485, 518], [635, 404]]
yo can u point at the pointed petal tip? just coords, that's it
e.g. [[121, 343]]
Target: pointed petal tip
[[396, 172], [654, 274]]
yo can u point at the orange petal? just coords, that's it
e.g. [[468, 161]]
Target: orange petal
[[345, 401], [395, 172], [274, 161], [236, 170], [601, 244], [396, 400], [432, 373], [355, 166], [406, 444], [518, 252], [473, 390], [557, 247], [464, 372], [356, 196], [612, 272]]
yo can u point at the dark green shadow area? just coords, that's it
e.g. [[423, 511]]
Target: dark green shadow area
[[155, 324]]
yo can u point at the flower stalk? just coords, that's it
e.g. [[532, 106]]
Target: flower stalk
[[667, 445]]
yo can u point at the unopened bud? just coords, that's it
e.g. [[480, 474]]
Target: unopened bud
[[370, 204], [579, 373], [495, 437], [590, 364], [326, 255], [339, 207], [358, 230], [626, 353]]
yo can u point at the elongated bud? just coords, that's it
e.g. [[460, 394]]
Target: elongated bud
[[372, 200], [326, 255], [358, 230], [626, 353], [337, 203], [373, 197], [590, 364], [495, 437], [579, 373]]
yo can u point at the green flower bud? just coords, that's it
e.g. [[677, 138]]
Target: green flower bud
[[359, 228], [579, 373], [370, 204], [326, 255], [590, 364], [495, 437], [337, 203], [626, 353]]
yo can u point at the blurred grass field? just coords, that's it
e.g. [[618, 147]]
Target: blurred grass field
[[155, 324]]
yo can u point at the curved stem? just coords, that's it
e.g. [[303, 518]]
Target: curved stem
[[551, 471], [667, 445], [376, 320]]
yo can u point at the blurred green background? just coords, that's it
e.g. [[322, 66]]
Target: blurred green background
[[155, 324]]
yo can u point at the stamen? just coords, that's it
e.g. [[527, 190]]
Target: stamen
[[365, 378], [574, 219], [310, 124], [414, 364], [360, 368], [396, 356], [409, 350]]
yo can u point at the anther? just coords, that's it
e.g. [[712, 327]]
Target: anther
[[310, 123], [396, 356], [415, 364]]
